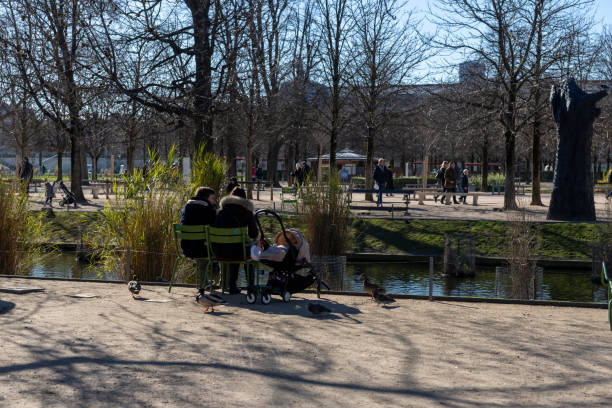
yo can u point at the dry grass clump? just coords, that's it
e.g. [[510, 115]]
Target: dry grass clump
[[326, 215], [19, 230], [523, 247]]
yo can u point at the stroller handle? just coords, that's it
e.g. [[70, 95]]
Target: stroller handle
[[265, 211]]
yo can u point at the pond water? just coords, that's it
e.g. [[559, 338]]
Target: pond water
[[398, 278]]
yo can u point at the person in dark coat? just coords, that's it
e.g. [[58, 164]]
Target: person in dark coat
[[450, 181], [26, 171], [199, 210], [389, 178], [236, 211], [440, 180], [298, 175], [232, 185], [259, 174], [464, 184], [306, 169], [380, 179]]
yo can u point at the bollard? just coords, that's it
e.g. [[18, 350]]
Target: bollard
[[258, 188], [431, 267], [392, 211]]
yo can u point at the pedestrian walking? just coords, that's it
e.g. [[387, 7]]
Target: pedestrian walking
[[440, 180], [259, 174], [389, 180], [450, 181], [26, 171], [380, 179], [464, 184], [49, 193]]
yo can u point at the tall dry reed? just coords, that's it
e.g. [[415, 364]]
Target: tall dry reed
[[326, 214], [20, 230], [140, 218], [523, 247]]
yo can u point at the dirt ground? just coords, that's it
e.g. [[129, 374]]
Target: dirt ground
[[111, 351]]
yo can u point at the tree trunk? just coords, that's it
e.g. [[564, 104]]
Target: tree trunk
[[574, 112], [94, 167], [368, 165], [273, 150], [536, 198], [484, 186], [203, 49], [75, 166], [59, 165], [510, 146]]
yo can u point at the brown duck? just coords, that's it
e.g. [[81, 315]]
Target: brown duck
[[370, 287]]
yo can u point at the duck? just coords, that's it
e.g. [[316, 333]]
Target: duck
[[370, 287], [316, 308], [209, 301], [134, 286], [382, 298]]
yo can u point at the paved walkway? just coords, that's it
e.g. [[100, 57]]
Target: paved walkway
[[111, 351], [489, 206]]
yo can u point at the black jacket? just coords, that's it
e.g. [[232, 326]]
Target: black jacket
[[231, 186], [465, 182], [235, 212], [379, 176], [196, 212], [388, 179]]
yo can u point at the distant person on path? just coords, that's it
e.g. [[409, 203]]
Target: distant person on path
[[306, 170], [232, 185], [389, 178], [26, 171], [259, 174], [298, 175], [440, 180], [199, 210], [380, 179], [253, 173], [450, 181], [464, 184], [49, 193]]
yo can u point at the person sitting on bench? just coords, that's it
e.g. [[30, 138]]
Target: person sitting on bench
[[236, 211], [199, 210]]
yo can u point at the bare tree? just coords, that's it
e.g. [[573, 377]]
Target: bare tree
[[335, 25], [385, 55], [501, 33]]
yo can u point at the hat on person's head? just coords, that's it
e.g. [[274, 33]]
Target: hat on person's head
[[238, 192]]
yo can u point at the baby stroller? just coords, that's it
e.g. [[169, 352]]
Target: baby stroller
[[288, 254], [69, 197]]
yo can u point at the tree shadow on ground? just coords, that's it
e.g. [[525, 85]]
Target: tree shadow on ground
[[5, 307]]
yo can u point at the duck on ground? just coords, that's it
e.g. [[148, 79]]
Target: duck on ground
[[370, 287], [382, 298], [209, 300], [316, 308], [134, 286]]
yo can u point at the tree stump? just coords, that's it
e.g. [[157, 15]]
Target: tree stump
[[574, 112]]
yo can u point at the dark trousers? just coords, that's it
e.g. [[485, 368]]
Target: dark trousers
[[380, 195], [464, 197], [449, 190]]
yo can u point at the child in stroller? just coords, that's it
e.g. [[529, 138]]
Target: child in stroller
[[289, 254], [68, 196]]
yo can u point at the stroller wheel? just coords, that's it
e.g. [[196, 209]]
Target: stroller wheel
[[286, 297], [266, 298], [251, 297]]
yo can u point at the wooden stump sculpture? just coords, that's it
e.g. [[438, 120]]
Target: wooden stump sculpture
[[574, 112]]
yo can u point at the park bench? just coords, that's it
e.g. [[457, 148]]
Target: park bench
[[406, 192], [288, 195], [422, 194], [607, 283], [98, 186]]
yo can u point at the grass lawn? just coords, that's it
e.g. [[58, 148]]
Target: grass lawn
[[558, 240]]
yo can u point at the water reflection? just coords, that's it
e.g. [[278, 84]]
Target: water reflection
[[400, 278]]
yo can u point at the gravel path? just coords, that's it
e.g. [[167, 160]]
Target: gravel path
[[112, 350]]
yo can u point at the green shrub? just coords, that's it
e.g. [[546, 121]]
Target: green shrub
[[208, 170], [20, 230], [493, 178]]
